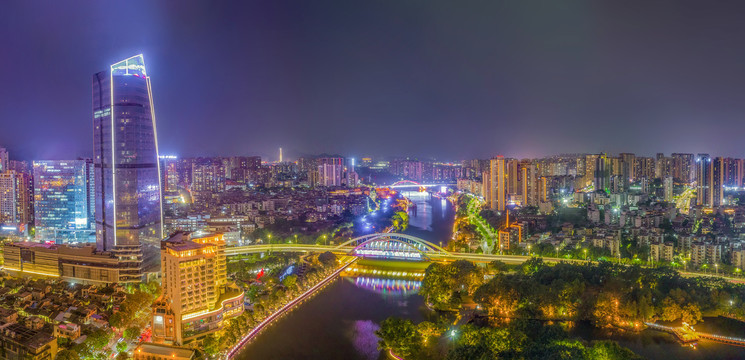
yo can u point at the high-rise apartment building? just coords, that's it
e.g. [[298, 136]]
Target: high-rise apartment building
[[16, 203], [408, 169], [207, 178], [734, 172], [497, 199], [667, 185], [590, 162], [628, 170], [704, 180], [530, 184], [602, 172], [63, 200], [645, 168], [196, 299], [683, 167], [127, 175], [329, 175], [717, 182], [330, 171], [4, 159]]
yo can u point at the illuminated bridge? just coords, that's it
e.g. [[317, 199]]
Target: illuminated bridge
[[403, 184], [393, 246]]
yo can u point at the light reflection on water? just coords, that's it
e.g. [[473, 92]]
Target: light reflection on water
[[388, 286]]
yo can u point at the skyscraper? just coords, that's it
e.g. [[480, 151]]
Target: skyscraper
[[704, 180], [530, 184], [15, 199], [683, 169], [3, 159], [667, 185], [62, 200], [330, 171], [602, 172], [498, 183], [628, 167], [717, 182], [127, 180]]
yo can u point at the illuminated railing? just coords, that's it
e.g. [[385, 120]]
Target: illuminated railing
[[257, 329]]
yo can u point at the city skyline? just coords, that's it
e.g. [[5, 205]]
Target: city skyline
[[405, 180], [515, 82]]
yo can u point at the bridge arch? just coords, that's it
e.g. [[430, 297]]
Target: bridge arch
[[390, 249], [421, 245], [406, 182]]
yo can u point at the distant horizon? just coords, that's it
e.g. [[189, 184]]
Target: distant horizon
[[293, 158]]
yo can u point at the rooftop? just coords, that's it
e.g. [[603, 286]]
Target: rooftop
[[160, 349]]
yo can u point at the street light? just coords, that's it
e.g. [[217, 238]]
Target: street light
[[685, 268], [557, 251], [528, 250], [585, 250], [717, 268], [295, 238], [324, 240]]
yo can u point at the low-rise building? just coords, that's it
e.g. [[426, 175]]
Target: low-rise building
[[18, 342], [706, 253], [738, 259], [81, 264], [661, 252], [150, 351]]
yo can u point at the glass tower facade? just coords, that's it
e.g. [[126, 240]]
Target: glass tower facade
[[63, 200], [127, 175]]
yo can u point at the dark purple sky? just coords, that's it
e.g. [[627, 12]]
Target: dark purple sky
[[426, 78]]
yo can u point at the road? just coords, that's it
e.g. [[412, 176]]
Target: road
[[473, 217], [434, 256], [683, 201]]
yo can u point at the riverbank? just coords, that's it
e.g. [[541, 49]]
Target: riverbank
[[287, 307]]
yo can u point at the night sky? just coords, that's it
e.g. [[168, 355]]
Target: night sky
[[445, 79]]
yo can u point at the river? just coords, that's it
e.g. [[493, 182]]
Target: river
[[340, 321]]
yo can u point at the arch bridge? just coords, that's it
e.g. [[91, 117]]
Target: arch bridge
[[377, 246], [403, 184], [392, 246]]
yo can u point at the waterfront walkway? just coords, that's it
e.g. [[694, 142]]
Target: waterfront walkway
[[289, 306], [688, 335]]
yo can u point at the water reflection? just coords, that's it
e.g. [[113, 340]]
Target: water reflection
[[388, 286]]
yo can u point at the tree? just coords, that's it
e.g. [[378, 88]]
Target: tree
[[117, 319], [435, 285], [211, 345], [610, 350], [132, 333], [99, 338], [327, 258], [499, 266], [400, 221], [290, 281], [401, 336], [121, 346], [67, 355], [532, 265]]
